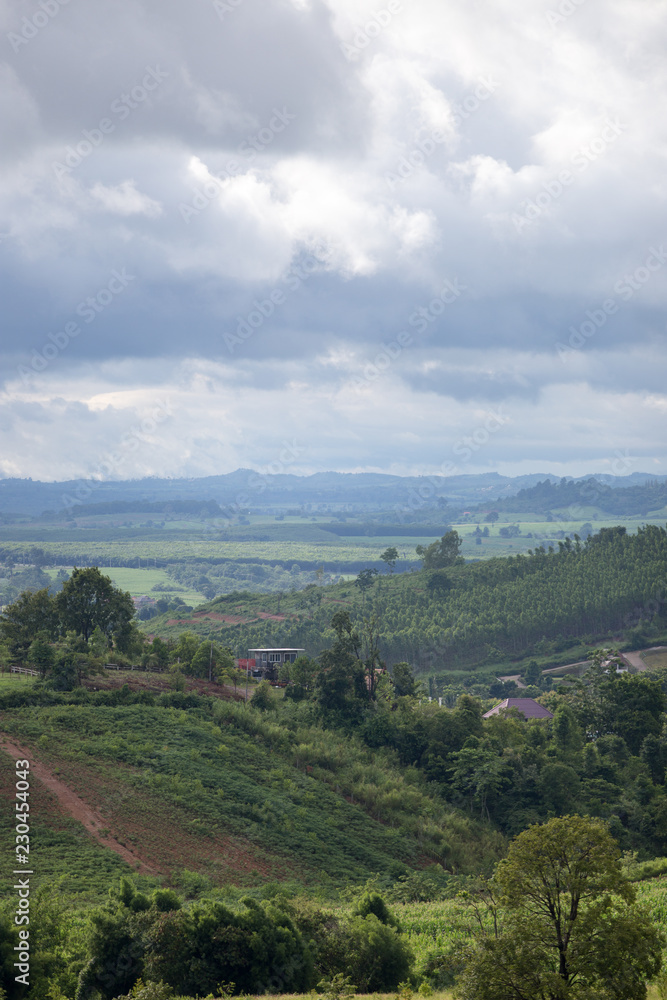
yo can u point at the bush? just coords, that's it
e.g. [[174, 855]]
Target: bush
[[377, 957]]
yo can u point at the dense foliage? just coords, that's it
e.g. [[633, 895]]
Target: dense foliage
[[549, 496], [494, 608], [564, 925]]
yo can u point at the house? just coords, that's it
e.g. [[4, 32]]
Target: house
[[528, 707], [268, 661]]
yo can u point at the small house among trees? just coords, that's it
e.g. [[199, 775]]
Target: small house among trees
[[528, 707], [268, 661]]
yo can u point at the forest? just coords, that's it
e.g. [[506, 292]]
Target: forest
[[361, 819], [480, 613]]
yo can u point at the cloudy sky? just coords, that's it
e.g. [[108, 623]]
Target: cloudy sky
[[410, 236]]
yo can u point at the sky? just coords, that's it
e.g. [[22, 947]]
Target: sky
[[405, 236]]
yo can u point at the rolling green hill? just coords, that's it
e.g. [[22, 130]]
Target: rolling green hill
[[467, 615], [216, 787]]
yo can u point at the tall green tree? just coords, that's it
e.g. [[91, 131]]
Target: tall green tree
[[89, 599], [41, 654], [567, 927], [442, 553], [389, 557], [29, 614], [211, 661], [341, 689]]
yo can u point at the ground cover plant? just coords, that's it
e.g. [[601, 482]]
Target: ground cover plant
[[243, 797]]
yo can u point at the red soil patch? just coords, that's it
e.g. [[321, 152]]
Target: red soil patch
[[91, 819], [159, 683], [157, 831]]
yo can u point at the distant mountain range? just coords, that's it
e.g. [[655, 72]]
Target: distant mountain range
[[638, 498], [403, 495]]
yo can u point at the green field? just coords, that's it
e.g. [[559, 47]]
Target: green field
[[142, 581], [655, 660], [10, 682], [95, 540]]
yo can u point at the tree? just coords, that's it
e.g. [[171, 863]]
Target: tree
[[211, 661], [72, 663], [29, 614], [371, 652], [532, 673], [341, 683], [439, 583], [567, 928], [41, 654], [442, 553], [156, 654], [389, 556], [492, 516], [185, 649], [89, 599], [403, 680], [98, 644], [300, 676], [365, 580]]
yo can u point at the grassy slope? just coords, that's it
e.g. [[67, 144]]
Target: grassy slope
[[230, 795]]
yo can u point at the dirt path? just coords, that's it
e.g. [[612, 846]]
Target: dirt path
[[93, 821]]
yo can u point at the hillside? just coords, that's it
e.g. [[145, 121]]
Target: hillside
[[249, 488], [548, 496], [210, 786], [466, 615]]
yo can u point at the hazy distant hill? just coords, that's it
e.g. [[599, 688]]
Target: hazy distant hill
[[405, 495], [627, 500]]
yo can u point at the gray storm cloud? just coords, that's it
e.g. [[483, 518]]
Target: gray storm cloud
[[243, 205]]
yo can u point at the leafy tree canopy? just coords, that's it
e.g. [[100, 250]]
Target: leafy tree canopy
[[567, 928], [89, 599], [442, 553]]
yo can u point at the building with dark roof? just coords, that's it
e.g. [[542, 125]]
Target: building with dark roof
[[528, 707]]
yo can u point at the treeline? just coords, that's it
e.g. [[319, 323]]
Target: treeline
[[626, 500], [505, 607], [255, 947], [383, 530], [198, 508], [604, 754]]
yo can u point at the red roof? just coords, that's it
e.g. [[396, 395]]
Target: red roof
[[528, 707]]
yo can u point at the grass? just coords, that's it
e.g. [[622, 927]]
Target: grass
[[142, 581], [11, 682], [223, 791], [655, 660]]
